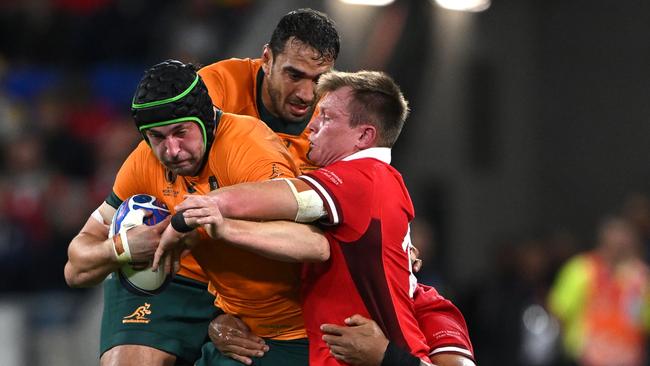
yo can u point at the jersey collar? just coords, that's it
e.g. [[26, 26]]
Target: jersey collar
[[379, 153]]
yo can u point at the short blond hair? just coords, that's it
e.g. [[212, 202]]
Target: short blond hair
[[377, 100]]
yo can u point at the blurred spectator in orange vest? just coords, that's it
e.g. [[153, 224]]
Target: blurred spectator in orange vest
[[602, 299]]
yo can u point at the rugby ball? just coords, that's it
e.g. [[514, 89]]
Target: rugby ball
[[143, 282]]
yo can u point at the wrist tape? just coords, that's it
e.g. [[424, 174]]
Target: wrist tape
[[120, 240], [121, 247], [179, 224]]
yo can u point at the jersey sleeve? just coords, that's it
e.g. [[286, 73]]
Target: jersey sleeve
[[248, 151], [343, 188], [442, 323]]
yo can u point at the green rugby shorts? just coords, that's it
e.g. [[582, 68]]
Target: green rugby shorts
[[175, 321], [281, 353]]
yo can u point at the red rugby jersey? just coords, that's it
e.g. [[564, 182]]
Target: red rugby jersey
[[442, 323], [368, 272]]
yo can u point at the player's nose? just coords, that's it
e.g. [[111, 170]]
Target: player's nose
[[172, 146], [305, 91]]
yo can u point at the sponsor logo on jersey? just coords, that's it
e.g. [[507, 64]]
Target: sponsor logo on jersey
[[169, 191], [331, 176], [139, 315]]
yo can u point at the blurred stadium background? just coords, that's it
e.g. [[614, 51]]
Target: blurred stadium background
[[529, 124]]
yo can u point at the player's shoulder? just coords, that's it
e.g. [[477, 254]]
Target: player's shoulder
[[142, 151], [367, 167], [241, 121], [139, 168], [342, 173], [234, 66], [378, 171], [239, 125], [244, 142], [142, 157]]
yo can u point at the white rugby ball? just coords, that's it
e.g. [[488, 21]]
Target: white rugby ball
[[143, 282]]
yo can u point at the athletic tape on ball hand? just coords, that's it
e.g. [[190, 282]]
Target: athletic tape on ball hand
[[126, 220]]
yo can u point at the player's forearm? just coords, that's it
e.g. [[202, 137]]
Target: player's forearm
[[451, 359], [395, 356], [271, 200], [281, 240], [90, 260]]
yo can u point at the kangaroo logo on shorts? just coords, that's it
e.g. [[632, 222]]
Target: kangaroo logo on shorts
[[139, 315]]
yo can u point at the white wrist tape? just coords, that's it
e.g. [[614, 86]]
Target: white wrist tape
[[121, 247], [310, 205], [121, 241]]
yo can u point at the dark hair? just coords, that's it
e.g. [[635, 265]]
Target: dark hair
[[310, 27], [169, 91], [376, 99]]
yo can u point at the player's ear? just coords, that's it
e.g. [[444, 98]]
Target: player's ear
[[367, 137], [267, 59]]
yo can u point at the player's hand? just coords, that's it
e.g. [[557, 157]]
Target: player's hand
[[359, 342], [170, 248], [143, 240], [234, 339], [198, 205], [203, 210], [416, 262]]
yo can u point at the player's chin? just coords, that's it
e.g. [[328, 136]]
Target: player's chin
[[182, 170], [293, 115], [314, 157], [294, 118]]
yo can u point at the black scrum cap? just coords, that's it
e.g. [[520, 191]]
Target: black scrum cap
[[172, 92]]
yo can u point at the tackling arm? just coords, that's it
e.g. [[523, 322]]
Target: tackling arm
[[280, 240], [279, 199], [268, 200], [362, 342]]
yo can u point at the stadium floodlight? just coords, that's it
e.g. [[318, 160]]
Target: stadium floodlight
[[368, 2], [465, 5]]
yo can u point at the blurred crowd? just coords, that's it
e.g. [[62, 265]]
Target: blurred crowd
[[61, 146], [65, 129], [68, 69], [563, 299]]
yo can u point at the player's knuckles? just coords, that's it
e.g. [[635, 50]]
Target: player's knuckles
[[248, 343], [236, 332]]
